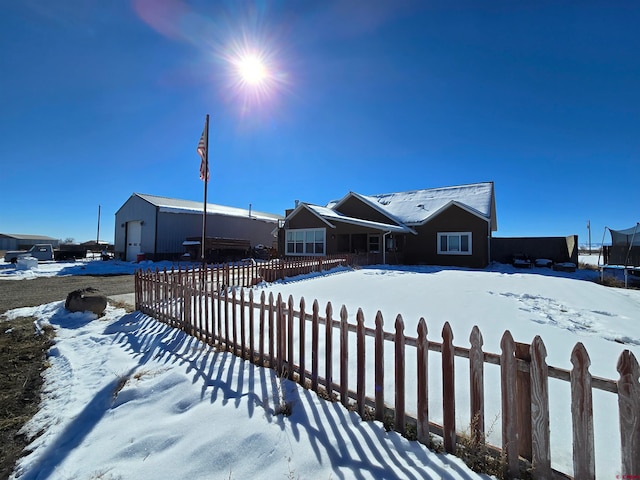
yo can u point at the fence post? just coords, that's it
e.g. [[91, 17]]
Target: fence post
[[448, 390], [541, 448], [329, 352], [361, 358], [582, 414], [476, 380], [379, 367], [400, 376], [508, 368], [423, 383], [344, 357], [314, 347], [629, 408], [303, 340]]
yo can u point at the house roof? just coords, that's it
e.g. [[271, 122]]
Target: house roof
[[174, 205], [416, 207], [329, 215]]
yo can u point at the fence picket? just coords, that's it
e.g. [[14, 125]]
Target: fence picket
[[314, 347], [290, 351], [476, 386], [360, 363], [329, 351], [423, 383], [272, 362], [379, 367], [234, 320], [344, 357], [302, 339], [281, 338], [629, 408], [448, 390], [582, 414], [540, 434], [243, 330], [261, 334], [400, 375], [251, 327], [508, 369]]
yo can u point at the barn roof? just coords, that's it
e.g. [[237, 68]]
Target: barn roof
[[175, 205]]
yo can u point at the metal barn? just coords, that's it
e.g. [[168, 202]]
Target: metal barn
[[157, 228], [12, 241]]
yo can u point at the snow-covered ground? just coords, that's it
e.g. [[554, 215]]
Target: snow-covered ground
[[128, 397]]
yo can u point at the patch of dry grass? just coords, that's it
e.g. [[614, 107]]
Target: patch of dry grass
[[23, 356]]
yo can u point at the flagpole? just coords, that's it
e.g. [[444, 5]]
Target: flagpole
[[206, 181]]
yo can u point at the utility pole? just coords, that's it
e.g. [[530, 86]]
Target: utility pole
[[589, 230]]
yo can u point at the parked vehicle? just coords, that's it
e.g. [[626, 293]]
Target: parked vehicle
[[45, 251]]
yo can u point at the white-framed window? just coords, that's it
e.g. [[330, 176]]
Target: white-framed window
[[454, 243], [306, 241]]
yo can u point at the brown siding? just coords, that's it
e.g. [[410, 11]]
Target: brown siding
[[423, 248], [306, 219], [353, 207]]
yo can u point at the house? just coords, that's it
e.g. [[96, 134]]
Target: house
[[14, 241], [160, 228], [437, 226]]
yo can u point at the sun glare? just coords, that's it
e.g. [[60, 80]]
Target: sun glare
[[254, 73], [252, 70]]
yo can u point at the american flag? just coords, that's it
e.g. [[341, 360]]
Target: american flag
[[202, 151]]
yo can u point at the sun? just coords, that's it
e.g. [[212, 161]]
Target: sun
[[252, 70]]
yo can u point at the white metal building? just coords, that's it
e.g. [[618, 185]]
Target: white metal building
[[157, 227], [14, 241]]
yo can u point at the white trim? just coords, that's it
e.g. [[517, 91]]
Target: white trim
[[304, 232], [454, 234]]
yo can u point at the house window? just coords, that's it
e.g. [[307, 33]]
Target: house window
[[454, 243], [374, 243], [306, 242]]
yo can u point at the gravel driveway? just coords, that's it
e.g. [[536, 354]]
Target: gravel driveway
[[29, 293]]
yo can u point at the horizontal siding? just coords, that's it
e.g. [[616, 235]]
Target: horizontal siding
[[423, 248]]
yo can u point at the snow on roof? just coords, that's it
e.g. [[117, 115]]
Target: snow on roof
[[19, 236], [329, 214], [415, 207], [174, 205]]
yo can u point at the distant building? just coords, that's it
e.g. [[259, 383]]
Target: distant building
[[14, 241], [161, 228]]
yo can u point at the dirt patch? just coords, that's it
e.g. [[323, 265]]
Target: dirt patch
[[23, 356], [30, 293], [23, 353]]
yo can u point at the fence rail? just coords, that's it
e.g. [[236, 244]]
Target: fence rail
[[299, 344]]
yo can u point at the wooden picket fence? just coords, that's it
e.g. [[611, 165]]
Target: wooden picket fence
[[263, 330], [247, 273]]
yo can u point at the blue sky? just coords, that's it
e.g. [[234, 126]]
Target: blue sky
[[99, 100]]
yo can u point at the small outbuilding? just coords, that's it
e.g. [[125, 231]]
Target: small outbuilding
[[160, 228], [14, 241]]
